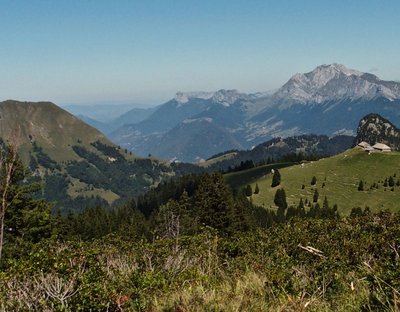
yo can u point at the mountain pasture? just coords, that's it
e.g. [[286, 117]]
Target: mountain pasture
[[242, 178], [338, 179]]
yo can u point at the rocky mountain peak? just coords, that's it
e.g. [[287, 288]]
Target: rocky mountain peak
[[223, 97], [226, 97], [334, 82], [321, 75], [373, 128], [184, 97]]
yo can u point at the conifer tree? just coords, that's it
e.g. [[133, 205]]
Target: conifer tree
[[317, 208], [280, 199], [391, 181], [316, 195], [213, 201], [300, 208], [361, 186], [249, 191], [256, 189], [291, 213], [22, 214], [276, 178], [188, 223], [313, 180], [325, 205]]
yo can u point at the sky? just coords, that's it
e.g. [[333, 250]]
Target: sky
[[143, 52]]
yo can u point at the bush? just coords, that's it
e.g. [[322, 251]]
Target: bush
[[282, 268]]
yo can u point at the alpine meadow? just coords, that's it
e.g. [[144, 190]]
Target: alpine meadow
[[200, 156]]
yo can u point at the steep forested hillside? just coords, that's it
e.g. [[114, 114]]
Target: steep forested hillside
[[77, 165], [282, 149]]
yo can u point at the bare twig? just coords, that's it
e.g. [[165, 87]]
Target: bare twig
[[313, 250], [8, 161], [58, 288]]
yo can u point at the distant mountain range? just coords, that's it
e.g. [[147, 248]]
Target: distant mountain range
[[329, 100], [109, 117]]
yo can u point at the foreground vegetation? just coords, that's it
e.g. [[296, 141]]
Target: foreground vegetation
[[313, 265]]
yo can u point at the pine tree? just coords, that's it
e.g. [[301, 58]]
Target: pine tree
[[317, 209], [325, 212], [213, 201], [276, 178], [291, 213], [361, 186], [301, 212], [280, 199], [325, 205], [391, 181], [188, 223], [249, 191], [313, 180], [256, 189], [23, 215], [315, 197]]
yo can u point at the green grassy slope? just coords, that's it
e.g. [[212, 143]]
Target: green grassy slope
[[81, 161], [241, 178], [341, 175], [51, 127]]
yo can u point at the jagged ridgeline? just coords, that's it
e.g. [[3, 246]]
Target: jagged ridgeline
[[330, 100], [78, 165]]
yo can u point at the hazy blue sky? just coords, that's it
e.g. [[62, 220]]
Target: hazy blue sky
[[144, 51]]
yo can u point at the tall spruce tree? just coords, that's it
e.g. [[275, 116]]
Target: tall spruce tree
[[391, 181], [313, 180], [20, 213], [315, 196], [280, 198], [276, 178], [249, 191], [214, 201]]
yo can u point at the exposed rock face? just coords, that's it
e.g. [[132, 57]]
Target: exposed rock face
[[373, 128]]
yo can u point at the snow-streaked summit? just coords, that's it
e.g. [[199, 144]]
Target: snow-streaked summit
[[227, 97], [184, 97], [223, 97], [333, 82]]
